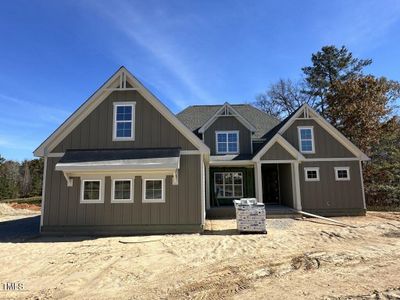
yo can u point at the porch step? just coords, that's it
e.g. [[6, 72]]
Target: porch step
[[272, 212]]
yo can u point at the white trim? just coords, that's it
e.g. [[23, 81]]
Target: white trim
[[232, 184], [297, 181], [316, 169], [227, 132], [328, 127], [235, 114], [43, 192], [277, 161], [126, 172], [150, 178], [284, 143], [123, 89], [203, 190], [342, 169], [333, 159], [362, 186], [133, 120], [222, 163], [132, 184], [55, 154], [128, 165], [207, 187], [259, 182], [101, 192], [299, 128], [190, 152], [87, 107]]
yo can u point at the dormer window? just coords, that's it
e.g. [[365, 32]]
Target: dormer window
[[124, 121], [227, 142], [306, 139]]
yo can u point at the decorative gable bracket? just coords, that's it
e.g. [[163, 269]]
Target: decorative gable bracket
[[226, 111], [121, 83]]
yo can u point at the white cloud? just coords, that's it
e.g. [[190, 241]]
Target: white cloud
[[22, 112], [361, 26], [150, 35]]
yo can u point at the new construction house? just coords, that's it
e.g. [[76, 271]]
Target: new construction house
[[124, 163]]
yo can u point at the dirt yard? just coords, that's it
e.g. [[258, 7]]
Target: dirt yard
[[306, 259]]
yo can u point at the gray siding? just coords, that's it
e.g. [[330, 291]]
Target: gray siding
[[182, 206], [277, 152], [326, 146], [228, 123], [151, 128], [285, 184], [331, 197]]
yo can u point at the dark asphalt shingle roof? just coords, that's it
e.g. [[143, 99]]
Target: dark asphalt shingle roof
[[194, 117], [76, 156], [270, 134]]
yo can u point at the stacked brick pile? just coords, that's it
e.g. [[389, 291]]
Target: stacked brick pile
[[250, 215]]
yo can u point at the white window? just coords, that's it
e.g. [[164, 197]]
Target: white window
[[342, 173], [311, 174], [306, 139], [228, 184], [92, 191], [124, 121], [122, 191], [154, 190], [227, 142]]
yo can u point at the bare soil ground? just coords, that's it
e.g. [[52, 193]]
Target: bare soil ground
[[307, 259]]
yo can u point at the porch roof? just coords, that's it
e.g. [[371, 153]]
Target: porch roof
[[107, 161]]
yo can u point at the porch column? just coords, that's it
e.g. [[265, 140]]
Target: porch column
[[297, 196], [207, 171], [258, 182]]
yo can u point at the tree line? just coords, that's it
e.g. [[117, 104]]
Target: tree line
[[361, 106], [20, 179]]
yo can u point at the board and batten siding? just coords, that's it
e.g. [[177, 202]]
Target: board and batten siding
[[63, 211], [277, 152], [331, 197], [228, 123], [326, 146], [152, 130]]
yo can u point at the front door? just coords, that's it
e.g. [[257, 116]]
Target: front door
[[270, 183]]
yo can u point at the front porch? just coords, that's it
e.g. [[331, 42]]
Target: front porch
[[271, 182], [271, 211]]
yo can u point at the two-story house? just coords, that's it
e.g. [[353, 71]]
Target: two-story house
[[124, 163]]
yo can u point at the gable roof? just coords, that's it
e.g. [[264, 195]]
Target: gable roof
[[195, 116], [227, 110], [122, 79], [277, 138], [307, 112]]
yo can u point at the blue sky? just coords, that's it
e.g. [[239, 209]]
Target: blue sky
[[54, 54]]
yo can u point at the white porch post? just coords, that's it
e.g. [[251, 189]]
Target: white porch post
[[207, 171], [297, 196], [258, 182]]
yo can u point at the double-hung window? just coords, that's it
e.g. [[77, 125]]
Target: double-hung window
[[124, 121], [306, 139], [227, 142], [122, 191], [342, 173], [311, 174], [154, 190], [228, 184], [92, 191]]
